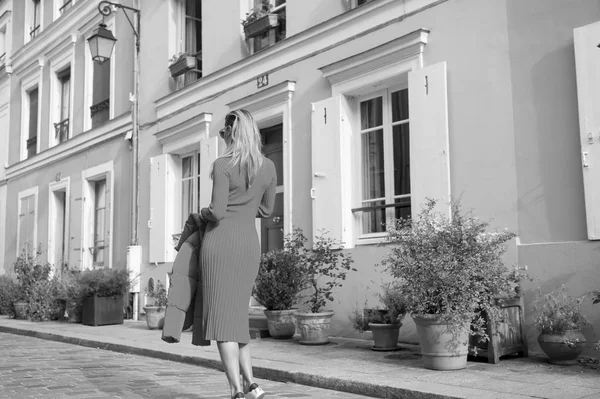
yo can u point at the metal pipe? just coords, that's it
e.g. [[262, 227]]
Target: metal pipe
[[135, 133]]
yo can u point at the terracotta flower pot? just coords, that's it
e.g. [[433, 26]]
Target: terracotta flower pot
[[562, 349], [20, 309], [155, 317], [440, 348], [385, 336], [314, 327], [282, 323]]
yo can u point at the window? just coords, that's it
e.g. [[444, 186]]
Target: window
[[61, 126], [2, 45], [58, 221], [275, 34], [190, 185], [27, 223], [97, 216], [32, 123], [35, 18], [66, 4], [193, 37], [100, 108], [361, 2], [384, 160]]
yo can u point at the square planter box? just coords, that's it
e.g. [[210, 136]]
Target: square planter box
[[100, 311], [506, 337], [261, 25], [183, 65]]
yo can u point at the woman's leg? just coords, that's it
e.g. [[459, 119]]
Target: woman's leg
[[246, 365], [230, 356]]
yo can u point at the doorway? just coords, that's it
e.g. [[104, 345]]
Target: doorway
[[58, 227]]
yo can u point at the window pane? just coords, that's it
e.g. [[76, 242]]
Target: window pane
[[401, 160], [403, 208], [186, 167], [400, 105], [372, 165], [187, 198], [100, 192], [373, 221], [33, 112], [65, 95], [371, 113]]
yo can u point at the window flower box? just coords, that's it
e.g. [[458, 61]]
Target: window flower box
[[260, 25], [181, 64]]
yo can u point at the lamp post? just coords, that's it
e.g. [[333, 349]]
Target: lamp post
[[102, 43]]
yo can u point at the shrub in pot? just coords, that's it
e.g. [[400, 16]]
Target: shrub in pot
[[281, 277], [326, 267], [103, 290], [559, 319], [155, 313], [9, 293], [450, 269], [383, 323]]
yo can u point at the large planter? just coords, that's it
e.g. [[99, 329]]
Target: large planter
[[282, 323], [20, 310], [440, 348], [314, 327], [182, 65], [562, 349], [155, 317], [100, 311], [261, 25], [385, 336]]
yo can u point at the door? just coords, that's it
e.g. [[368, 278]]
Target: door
[[271, 229]]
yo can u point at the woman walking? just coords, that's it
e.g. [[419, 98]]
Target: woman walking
[[244, 184]]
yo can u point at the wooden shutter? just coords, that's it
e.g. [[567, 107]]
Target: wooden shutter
[[76, 225], [429, 147], [209, 151], [163, 219], [587, 66], [331, 171]]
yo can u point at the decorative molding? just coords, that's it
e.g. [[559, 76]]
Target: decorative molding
[[180, 138], [266, 98], [401, 49], [317, 39], [83, 141]]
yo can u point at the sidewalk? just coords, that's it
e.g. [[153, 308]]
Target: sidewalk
[[345, 364]]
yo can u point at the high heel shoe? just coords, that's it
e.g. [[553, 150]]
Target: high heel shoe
[[239, 395], [255, 392]]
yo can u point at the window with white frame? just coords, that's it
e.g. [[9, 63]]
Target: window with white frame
[[27, 222], [193, 38], [32, 101], [34, 18], [190, 185], [63, 6], [2, 44], [276, 32], [384, 160], [63, 105], [98, 216], [100, 108]]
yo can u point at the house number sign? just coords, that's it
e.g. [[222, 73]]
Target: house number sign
[[262, 80]]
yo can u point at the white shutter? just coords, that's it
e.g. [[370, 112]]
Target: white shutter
[[587, 62], [209, 151], [429, 158], [76, 225], [331, 171], [162, 193]]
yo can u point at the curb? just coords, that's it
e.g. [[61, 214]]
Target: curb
[[313, 380]]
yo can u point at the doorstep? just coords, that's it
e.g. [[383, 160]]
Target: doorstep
[[347, 365]]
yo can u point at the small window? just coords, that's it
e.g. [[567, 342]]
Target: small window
[[385, 160], [36, 17], [100, 246], [61, 127], [32, 127], [193, 38], [275, 34], [190, 185]]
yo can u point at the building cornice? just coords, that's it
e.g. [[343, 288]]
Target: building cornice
[[317, 39], [179, 138], [84, 141]]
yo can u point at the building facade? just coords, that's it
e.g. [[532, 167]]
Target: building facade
[[366, 108], [5, 50]]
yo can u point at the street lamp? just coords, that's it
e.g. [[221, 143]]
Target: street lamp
[[102, 43]]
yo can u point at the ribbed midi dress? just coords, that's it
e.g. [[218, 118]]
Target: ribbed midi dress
[[230, 252]]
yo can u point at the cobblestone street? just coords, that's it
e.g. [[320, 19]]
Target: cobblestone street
[[35, 368]]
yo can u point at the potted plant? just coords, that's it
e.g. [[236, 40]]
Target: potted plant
[[34, 298], [559, 320], [9, 290], [383, 323], [259, 20], [281, 277], [103, 290], [450, 270], [155, 313], [181, 63], [326, 266]]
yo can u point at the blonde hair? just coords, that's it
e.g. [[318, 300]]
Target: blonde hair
[[243, 144]]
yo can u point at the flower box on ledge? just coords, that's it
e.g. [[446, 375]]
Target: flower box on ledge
[[100, 311], [182, 65], [261, 25]]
